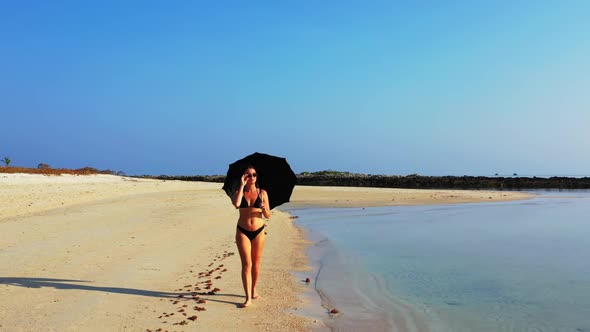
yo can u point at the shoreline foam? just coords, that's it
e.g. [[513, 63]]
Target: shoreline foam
[[337, 283]]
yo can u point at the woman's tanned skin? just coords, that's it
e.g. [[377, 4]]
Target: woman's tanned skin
[[251, 219]]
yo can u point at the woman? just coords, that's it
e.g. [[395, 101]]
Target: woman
[[253, 205]]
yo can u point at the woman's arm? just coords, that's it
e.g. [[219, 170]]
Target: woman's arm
[[238, 194], [264, 206]]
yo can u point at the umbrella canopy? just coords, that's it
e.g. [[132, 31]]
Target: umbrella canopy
[[274, 175]]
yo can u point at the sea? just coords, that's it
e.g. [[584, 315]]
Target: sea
[[503, 266]]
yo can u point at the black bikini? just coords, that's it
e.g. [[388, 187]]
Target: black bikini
[[251, 234], [256, 204]]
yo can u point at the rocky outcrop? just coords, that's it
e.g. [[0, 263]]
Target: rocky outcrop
[[443, 182], [415, 181], [202, 178]]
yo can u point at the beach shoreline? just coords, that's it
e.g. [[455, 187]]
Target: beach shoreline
[[405, 317], [116, 253], [461, 267]]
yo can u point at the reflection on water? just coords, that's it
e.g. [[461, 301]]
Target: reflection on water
[[514, 266]]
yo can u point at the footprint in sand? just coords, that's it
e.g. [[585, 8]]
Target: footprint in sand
[[194, 296]]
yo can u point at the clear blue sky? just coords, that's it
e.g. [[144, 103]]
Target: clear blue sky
[[379, 87]]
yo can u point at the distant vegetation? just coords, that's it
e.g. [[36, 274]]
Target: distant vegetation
[[326, 173], [414, 181], [47, 170], [348, 179], [6, 161], [201, 178]]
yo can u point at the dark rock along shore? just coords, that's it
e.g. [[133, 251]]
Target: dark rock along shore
[[332, 178]]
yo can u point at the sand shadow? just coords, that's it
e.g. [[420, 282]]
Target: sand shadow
[[66, 284], [211, 298]]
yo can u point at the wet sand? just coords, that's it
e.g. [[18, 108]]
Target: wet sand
[[102, 252], [304, 196]]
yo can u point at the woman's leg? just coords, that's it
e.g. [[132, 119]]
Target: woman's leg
[[257, 248], [245, 249]]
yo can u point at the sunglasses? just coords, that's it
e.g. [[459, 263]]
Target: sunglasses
[[252, 175]]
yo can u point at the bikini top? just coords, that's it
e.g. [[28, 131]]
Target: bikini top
[[256, 204]]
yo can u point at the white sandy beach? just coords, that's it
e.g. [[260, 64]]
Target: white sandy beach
[[109, 253]]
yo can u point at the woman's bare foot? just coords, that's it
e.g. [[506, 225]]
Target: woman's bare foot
[[254, 295], [247, 303]]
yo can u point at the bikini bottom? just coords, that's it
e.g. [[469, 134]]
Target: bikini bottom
[[251, 234]]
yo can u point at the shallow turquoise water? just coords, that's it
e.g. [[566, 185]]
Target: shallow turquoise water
[[514, 266]]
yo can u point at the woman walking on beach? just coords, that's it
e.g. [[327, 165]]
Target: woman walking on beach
[[255, 196], [252, 202]]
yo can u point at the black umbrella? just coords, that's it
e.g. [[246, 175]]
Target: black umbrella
[[274, 175]]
